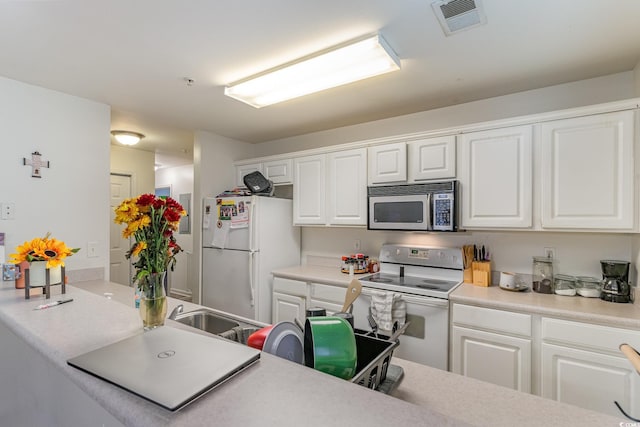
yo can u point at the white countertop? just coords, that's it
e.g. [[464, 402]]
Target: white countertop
[[590, 310], [272, 392], [275, 391]]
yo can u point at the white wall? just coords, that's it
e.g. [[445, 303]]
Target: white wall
[[213, 157], [576, 253], [139, 164], [585, 92], [180, 179], [636, 75], [70, 199]]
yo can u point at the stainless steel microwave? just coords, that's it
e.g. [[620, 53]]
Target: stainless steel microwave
[[414, 207]]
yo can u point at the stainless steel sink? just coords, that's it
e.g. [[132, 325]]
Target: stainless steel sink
[[217, 324], [207, 321]]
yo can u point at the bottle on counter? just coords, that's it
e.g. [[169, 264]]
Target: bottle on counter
[[543, 275]]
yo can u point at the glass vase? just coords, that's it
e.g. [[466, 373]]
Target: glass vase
[[153, 300]]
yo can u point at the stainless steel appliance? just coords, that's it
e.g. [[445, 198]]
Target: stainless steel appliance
[[244, 239], [424, 277], [417, 207], [615, 283]]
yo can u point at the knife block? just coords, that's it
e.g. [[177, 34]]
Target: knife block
[[481, 273]]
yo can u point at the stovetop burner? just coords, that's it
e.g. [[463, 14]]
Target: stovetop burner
[[410, 284]]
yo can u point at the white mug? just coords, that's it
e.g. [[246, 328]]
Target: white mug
[[510, 280]]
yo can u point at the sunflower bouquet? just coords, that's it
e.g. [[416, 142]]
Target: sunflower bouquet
[[151, 221], [44, 248]]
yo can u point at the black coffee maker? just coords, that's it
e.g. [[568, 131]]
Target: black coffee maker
[[615, 281]]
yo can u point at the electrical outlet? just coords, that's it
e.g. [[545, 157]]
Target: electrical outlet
[[550, 252], [8, 210], [92, 249], [356, 245]]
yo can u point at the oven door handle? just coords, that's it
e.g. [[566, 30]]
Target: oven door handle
[[411, 298]]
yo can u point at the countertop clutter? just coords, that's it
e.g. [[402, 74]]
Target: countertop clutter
[[273, 392]]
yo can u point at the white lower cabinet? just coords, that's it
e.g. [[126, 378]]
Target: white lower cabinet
[[289, 300], [492, 346], [331, 298], [288, 307], [581, 365]]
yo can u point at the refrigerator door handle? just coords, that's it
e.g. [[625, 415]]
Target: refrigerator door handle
[[251, 281]]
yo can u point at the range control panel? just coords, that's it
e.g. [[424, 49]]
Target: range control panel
[[422, 256]]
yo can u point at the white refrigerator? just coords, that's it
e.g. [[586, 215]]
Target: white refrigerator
[[244, 239]]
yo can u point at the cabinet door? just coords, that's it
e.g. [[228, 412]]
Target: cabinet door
[[279, 171], [587, 172], [433, 158], [309, 190], [590, 380], [495, 358], [495, 178], [243, 170], [387, 163], [347, 187], [288, 307]]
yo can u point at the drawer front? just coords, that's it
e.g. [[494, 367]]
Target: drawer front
[[332, 294], [602, 338], [289, 286], [493, 320]]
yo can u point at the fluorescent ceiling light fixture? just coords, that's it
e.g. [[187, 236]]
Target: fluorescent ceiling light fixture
[[333, 67], [125, 137]]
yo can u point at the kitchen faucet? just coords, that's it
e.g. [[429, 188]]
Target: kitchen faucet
[[179, 309]]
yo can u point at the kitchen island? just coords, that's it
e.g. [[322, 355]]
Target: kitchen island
[[38, 388]]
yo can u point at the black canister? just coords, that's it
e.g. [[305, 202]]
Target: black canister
[[316, 312]]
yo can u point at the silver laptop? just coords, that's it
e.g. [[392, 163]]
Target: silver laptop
[[168, 366]]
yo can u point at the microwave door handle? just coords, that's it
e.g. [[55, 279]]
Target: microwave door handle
[[429, 212]]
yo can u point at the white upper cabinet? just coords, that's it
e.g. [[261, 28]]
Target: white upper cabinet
[[278, 171], [495, 175], [387, 163], [309, 205], [331, 189], [587, 172], [242, 170], [432, 158], [347, 187]]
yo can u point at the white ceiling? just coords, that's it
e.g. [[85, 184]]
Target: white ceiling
[[135, 55]]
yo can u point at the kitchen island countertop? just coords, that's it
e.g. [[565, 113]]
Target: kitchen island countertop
[[275, 391]]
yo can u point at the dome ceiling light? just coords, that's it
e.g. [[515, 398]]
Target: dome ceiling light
[[126, 137]]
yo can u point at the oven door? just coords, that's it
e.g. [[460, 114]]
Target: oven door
[[407, 212], [426, 340]]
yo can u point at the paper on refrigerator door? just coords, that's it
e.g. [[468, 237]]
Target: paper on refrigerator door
[[235, 213], [220, 234]]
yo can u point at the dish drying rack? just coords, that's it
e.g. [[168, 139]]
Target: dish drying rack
[[374, 369]]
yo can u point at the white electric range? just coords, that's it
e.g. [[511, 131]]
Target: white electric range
[[424, 277]]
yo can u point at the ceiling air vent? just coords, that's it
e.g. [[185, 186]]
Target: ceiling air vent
[[458, 15]]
